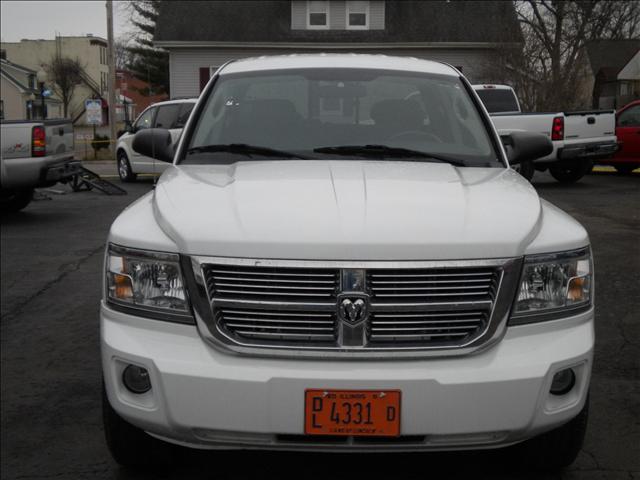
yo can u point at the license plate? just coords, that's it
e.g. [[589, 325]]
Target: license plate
[[373, 413]]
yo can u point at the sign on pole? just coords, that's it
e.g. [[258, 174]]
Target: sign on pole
[[93, 109]]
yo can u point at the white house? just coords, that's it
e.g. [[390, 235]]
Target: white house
[[202, 35]]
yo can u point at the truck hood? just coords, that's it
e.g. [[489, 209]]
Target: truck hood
[[347, 210]]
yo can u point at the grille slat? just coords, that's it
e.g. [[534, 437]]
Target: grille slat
[[278, 280], [375, 276], [229, 318], [293, 294], [427, 289], [272, 274], [404, 337], [286, 336], [277, 327], [419, 282], [427, 322], [420, 329], [275, 287]]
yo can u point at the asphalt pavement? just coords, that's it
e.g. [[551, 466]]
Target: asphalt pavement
[[51, 426]]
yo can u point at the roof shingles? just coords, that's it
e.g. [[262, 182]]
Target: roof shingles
[[249, 21]]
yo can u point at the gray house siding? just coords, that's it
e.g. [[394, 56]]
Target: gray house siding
[[298, 15], [376, 15], [337, 15], [185, 63]]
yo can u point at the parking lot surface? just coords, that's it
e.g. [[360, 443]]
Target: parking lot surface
[[52, 255]]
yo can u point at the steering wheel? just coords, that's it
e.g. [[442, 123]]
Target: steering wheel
[[419, 135]]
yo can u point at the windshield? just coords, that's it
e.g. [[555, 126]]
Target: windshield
[[499, 100], [306, 112]]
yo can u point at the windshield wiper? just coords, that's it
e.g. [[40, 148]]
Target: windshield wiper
[[244, 149], [384, 151]]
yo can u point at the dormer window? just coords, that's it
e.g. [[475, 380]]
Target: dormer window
[[317, 15], [357, 15]]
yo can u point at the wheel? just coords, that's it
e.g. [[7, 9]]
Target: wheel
[[569, 171], [130, 446], [558, 448], [124, 168], [15, 200], [526, 169], [625, 169]]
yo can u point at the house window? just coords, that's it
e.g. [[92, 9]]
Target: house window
[[624, 88], [357, 15], [317, 15]]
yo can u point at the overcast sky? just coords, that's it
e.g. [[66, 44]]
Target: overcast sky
[[37, 19]]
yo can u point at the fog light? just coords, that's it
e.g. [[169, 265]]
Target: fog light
[[563, 382], [136, 379]]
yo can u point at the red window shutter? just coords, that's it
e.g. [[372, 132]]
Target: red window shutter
[[204, 77]]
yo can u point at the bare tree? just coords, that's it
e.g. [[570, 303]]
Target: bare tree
[[65, 74], [556, 33], [123, 57]]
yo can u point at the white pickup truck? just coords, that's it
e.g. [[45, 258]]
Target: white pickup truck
[[328, 265], [35, 153], [578, 138]]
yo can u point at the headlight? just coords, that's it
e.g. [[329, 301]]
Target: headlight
[[149, 281], [554, 285]]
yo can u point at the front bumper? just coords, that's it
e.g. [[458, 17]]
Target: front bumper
[[204, 398]]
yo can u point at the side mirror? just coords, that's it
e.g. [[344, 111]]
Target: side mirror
[[154, 143], [526, 146], [129, 128]]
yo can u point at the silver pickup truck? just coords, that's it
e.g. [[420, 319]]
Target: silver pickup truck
[[578, 138], [35, 153]]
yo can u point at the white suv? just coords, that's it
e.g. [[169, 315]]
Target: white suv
[[327, 264], [171, 115]]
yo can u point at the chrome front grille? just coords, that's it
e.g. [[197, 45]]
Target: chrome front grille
[[270, 284], [426, 327], [281, 307], [273, 325], [432, 285]]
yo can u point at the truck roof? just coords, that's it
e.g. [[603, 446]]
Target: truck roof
[[337, 60]]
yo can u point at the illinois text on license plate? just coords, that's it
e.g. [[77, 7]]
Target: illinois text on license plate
[[352, 412]]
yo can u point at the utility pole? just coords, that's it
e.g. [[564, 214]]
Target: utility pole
[[111, 61]]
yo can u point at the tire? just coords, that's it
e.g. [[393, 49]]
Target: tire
[[15, 200], [526, 169], [625, 169], [558, 448], [569, 171], [130, 446], [124, 168]]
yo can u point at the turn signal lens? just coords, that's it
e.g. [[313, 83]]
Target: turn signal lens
[[123, 289]]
